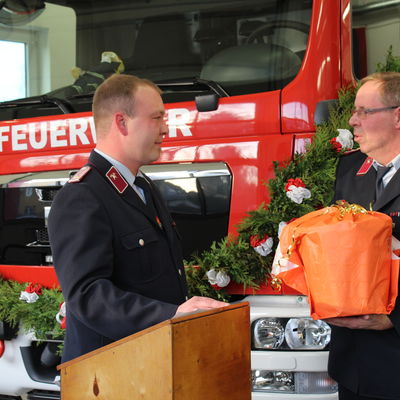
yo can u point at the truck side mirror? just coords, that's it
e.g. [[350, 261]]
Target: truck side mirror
[[207, 102]]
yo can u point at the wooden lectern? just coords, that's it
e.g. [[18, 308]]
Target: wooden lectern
[[198, 356]]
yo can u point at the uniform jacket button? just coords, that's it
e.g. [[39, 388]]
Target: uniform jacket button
[[141, 242]]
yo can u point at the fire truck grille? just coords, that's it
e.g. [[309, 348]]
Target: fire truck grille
[[43, 395], [42, 236]]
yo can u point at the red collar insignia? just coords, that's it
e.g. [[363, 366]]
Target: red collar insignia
[[367, 164], [117, 180]]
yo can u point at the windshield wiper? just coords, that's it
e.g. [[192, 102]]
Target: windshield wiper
[[66, 107], [214, 86], [63, 105], [175, 84]]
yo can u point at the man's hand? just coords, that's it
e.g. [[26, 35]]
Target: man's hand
[[199, 303], [377, 322]]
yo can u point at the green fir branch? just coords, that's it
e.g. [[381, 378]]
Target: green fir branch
[[38, 317], [392, 62]]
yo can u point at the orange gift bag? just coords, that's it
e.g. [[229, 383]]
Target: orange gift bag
[[341, 257]]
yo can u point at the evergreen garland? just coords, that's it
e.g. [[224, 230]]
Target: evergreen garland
[[38, 317], [316, 168]]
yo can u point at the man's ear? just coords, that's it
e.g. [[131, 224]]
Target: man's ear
[[397, 117], [120, 123]]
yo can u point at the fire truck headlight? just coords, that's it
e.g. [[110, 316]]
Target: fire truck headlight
[[268, 333], [273, 381], [293, 382], [307, 334]]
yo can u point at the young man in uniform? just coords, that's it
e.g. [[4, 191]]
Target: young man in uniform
[[116, 250], [365, 350]]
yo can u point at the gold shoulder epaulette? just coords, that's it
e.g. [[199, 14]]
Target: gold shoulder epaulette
[[350, 151], [80, 174]]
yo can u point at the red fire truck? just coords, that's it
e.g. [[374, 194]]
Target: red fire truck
[[244, 82]]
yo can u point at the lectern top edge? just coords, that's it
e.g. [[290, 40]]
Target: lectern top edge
[[171, 321], [204, 313]]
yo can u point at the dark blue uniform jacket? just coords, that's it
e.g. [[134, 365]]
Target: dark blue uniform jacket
[[367, 361], [119, 267]]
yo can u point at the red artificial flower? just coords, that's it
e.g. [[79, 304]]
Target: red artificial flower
[[34, 288], [216, 287], [295, 182], [336, 145], [63, 324], [256, 241]]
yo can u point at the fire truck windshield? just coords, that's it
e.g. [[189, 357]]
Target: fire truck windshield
[[236, 46]]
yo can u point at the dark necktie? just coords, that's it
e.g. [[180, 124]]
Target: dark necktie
[[142, 183], [380, 173]]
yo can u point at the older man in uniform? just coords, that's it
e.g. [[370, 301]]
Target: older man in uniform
[[365, 350], [116, 250]]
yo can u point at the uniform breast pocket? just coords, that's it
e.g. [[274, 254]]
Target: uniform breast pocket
[[140, 254], [140, 239]]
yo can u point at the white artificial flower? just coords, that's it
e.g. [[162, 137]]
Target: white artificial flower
[[298, 194], [222, 279], [28, 297], [62, 313], [265, 247], [212, 275], [345, 138]]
